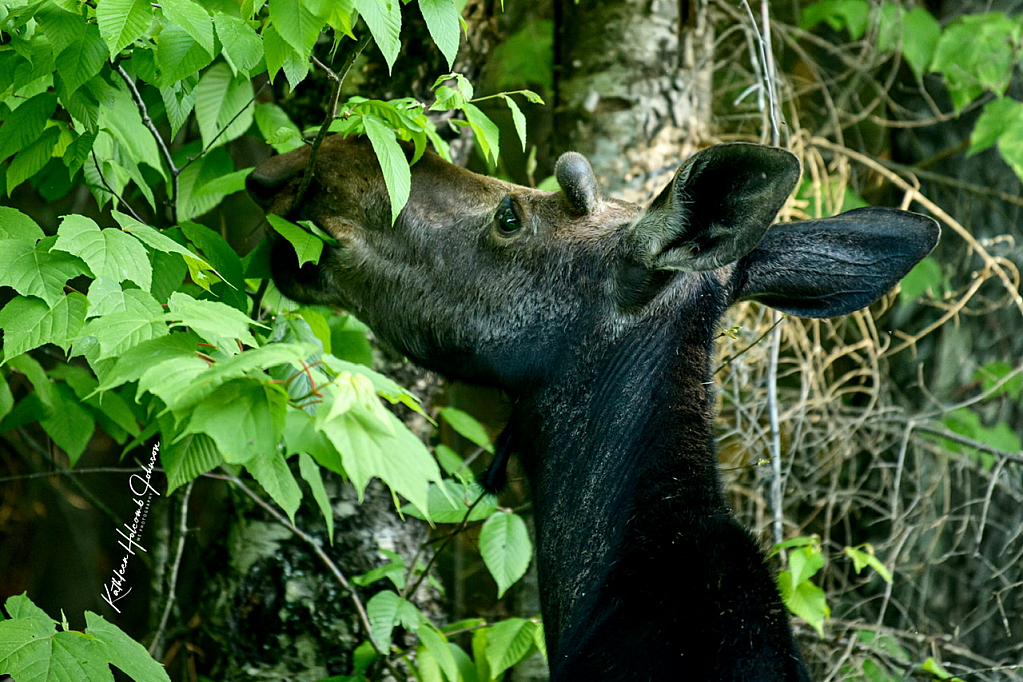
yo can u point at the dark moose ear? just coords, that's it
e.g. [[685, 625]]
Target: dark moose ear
[[579, 185], [716, 209], [829, 267]]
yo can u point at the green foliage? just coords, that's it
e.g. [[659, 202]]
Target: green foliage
[[506, 549], [162, 325], [33, 648], [975, 54], [801, 596]]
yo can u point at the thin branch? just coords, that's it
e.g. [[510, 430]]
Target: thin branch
[[156, 645], [127, 206], [327, 561], [451, 536], [223, 130], [148, 122], [339, 79]]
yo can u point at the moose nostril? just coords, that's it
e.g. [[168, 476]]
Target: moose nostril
[[262, 188]]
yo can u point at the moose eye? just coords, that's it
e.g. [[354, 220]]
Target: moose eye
[[507, 220]]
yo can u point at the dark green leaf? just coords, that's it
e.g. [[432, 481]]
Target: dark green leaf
[[397, 176], [109, 253], [193, 19], [505, 548], [384, 20], [122, 22], [29, 323], [32, 269], [25, 124], [307, 247], [442, 21], [245, 418]]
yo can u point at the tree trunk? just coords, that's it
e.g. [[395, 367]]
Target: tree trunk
[[632, 87]]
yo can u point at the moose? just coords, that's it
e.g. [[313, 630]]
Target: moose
[[597, 318]]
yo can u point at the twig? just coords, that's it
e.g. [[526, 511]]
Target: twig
[[327, 561], [451, 536], [335, 92], [769, 76], [997, 266], [99, 171], [156, 645], [148, 122]]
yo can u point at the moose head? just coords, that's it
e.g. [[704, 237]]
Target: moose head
[[598, 317]]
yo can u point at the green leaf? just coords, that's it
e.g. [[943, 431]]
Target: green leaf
[[1010, 146], [311, 473], [936, 669], [307, 247], [998, 117], [279, 54], [271, 471], [926, 277], [993, 372], [219, 99], [118, 332], [296, 24], [975, 54], [467, 425], [518, 119], [216, 322], [6, 398], [920, 35], [394, 166], [437, 644], [33, 270], [451, 504], [804, 563], [243, 48], [245, 418], [805, 600], [122, 121], [384, 20], [383, 385], [25, 124], [109, 253], [377, 444], [178, 55], [509, 642], [865, 557], [122, 22], [488, 135], [29, 323], [277, 128], [158, 241], [382, 611], [505, 548], [393, 570], [68, 424], [839, 14], [123, 652], [82, 59], [61, 27], [188, 458], [301, 437], [32, 158], [17, 226], [193, 19], [136, 361], [442, 21]]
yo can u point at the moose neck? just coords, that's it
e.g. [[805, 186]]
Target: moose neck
[[619, 451]]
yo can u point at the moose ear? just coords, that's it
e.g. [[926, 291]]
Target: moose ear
[[829, 267], [716, 209], [578, 184]]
